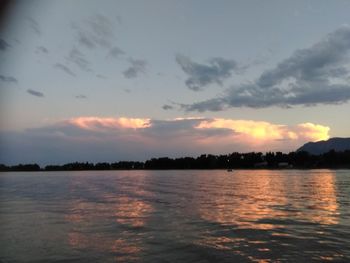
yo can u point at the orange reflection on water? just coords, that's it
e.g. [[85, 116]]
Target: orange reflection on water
[[249, 200], [131, 211], [83, 211], [318, 199], [125, 250], [254, 198], [126, 211], [326, 204], [220, 242], [99, 210], [266, 200], [77, 212]]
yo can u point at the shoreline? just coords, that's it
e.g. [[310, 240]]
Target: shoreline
[[187, 169]]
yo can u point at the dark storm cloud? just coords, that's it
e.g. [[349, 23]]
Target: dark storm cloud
[[8, 79], [201, 75], [35, 93], [64, 69], [310, 76], [78, 58], [3, 45], [115, 52], [137, 66]]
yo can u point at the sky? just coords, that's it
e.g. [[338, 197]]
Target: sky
[[130, 80]]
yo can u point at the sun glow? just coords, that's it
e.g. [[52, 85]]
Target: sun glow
[[314, 132], [262, 130], [96, 123], [256, 129], [200, 133]]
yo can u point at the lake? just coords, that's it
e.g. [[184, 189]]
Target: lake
[[175, 216]]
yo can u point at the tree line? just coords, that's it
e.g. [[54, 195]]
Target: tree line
[[252, 160]]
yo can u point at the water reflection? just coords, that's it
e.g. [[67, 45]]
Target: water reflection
[[262, 211], [176, 216], [267, 195], [244, 206], [107, 221], [314, 198], [122, 249], [252, 214], [132, 212]]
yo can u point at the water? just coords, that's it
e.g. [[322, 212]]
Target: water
[[175, 216]]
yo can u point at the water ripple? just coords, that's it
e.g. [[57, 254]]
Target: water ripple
[[175, 216]]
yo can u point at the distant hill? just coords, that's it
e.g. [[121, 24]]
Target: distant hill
[[316, 148]]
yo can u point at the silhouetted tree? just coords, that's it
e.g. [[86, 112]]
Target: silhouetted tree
[[235, 160]]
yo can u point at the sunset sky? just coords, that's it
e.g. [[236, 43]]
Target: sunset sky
[[130, 80]]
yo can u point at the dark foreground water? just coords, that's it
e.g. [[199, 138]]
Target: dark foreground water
[[175, 216]]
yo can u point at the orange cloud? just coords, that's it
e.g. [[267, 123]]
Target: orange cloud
[[256, 129], [96, 138], [97, 123], [248, 132], [314, 132], [265, 131]]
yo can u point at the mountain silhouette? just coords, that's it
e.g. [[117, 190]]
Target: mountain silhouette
[[320, 147]]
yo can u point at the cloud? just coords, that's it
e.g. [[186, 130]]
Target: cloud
[[215, 104], [314, 132], [3, 45], [115, 52], [42, 49], [113, 139], [100, 76], [64, 69], [34, 25], [8, 79], [137, 66], [262, 130], [167, 107], [315, 75], [35, 93], [202, 75], [84, 40], [119, 19], [254, 131], [78, 58], [100, 26], [101, 124], [96, 31], [81, 96]]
